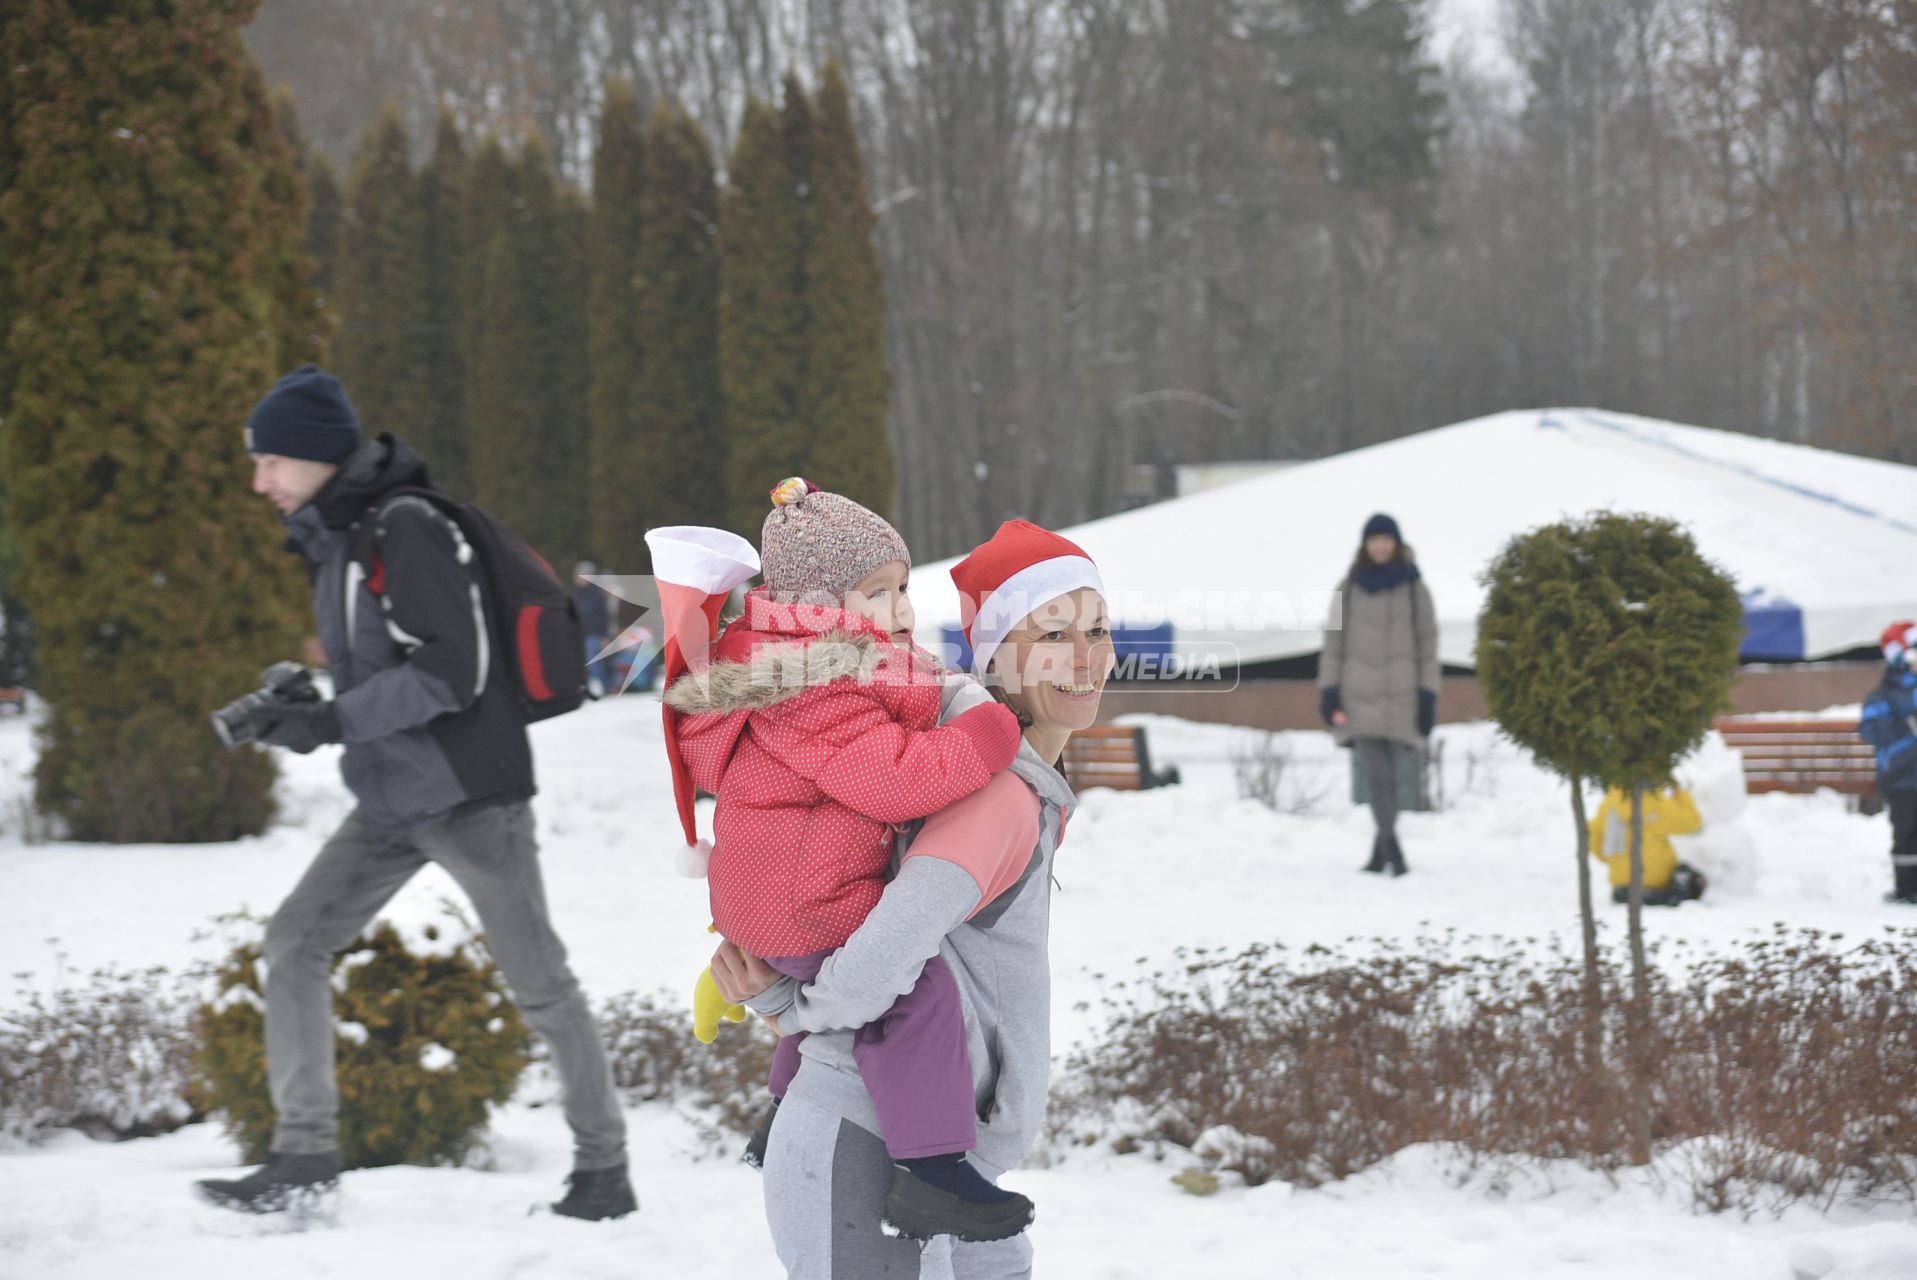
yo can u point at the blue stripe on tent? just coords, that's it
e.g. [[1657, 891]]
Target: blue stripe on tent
[[1789, 486], [1773, 628], [1155, 645]]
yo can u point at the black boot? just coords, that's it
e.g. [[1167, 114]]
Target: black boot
[[946, 1196], [597, 1194], [1394, 857], [754, 1153], [284, 1181], [1377, 863]]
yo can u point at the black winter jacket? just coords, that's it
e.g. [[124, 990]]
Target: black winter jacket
[[429, 719]]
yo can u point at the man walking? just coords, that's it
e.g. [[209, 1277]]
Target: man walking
[[437, 758]]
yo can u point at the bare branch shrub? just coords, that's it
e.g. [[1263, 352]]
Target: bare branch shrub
[[1784, 1070], [655, 1059], [1265, 774], [110, 1058]]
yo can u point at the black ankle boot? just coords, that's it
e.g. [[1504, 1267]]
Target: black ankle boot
[[1394, 857], [946, 1196], [754, 1153], [284, 1181], [597, 1194], [1377, 863]]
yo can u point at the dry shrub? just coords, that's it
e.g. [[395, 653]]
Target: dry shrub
[[110, 1058], [1778, 1071], [655, 1058], [1266, 772]]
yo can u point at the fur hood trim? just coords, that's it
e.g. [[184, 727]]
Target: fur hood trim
[[779, 672]]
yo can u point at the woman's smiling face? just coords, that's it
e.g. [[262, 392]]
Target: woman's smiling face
[[1053, 665]]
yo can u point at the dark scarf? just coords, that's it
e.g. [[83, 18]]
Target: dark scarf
[[1383, 577]]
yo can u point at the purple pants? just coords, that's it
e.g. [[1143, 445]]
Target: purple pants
[[912, 1058]]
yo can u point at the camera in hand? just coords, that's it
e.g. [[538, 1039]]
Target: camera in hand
[[244, 719]]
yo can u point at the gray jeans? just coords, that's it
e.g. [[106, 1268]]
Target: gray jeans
[[491, 853], [825, 1185]]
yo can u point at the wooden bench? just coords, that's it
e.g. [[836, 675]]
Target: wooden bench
[[1802, 756], [1115, 756]]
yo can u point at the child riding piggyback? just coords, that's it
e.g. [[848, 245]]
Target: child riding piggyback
[[816, 724]]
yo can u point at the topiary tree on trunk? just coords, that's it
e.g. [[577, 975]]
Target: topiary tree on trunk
[[1605, 647], [152, 236]]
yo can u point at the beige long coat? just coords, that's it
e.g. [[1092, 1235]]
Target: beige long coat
[[1381, 647]]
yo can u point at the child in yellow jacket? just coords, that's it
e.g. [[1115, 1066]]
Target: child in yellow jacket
[[1667, 812]]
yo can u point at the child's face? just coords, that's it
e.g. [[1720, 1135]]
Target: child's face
[[880, 599]]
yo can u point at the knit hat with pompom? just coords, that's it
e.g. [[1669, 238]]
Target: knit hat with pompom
[[817, 546]]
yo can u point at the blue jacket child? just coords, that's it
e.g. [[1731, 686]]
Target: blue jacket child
[[1889, 723]]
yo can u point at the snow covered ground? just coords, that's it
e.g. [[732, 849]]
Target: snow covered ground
[[1140, 875]]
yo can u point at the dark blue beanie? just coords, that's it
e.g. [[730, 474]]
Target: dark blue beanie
[[1382, 523], [305, 415]]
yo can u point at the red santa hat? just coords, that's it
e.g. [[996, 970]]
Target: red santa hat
[[1898, 639], [695, 569], [1021, 568]]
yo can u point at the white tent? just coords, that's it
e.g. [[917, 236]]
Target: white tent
[[1822, 545]]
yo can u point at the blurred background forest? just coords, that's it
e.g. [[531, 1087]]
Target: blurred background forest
[[1119, 235]]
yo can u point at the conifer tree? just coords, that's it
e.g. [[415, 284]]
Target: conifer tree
[[9, 172], [301, 315], [327, 207], [762, 319], [615, 457], [844, 398], [140, 229], [377, 350], [442, 431], [527, 418], [492, 195], [683, 426]]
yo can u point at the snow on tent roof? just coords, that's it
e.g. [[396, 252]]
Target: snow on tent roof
[[1822, 545]]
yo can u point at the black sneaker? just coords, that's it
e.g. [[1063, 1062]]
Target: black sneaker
[[754, 1153], [595, 1195], [284, 1182], [917, 1208]]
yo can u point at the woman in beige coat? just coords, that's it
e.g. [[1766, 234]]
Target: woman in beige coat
[[1378, 674]]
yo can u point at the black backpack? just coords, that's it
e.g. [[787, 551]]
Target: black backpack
[[528, 607]]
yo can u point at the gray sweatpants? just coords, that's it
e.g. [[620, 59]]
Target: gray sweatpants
[[825, 1185], [490, 851]]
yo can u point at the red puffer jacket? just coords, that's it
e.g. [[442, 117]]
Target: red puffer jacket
[[817, 733]]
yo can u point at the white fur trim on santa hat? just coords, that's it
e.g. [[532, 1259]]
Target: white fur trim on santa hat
[[708, 560], [694, 858], [1013, 600]]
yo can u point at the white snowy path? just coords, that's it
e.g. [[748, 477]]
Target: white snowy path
[[1140, 875]]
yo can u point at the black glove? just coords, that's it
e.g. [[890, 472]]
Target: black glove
[[1328, 702], [301, 726], [1427, 712]]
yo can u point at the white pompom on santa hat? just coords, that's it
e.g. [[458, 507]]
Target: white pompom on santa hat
[[696, 568], [1020, 569], [1898, 641]]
